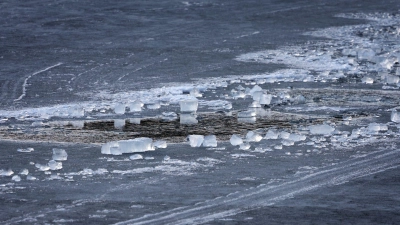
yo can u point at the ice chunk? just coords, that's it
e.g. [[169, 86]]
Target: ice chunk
[[365, 54], [141, 144], [188, 118], [367, 80], [278, 147], [136, 157], [390, 79], [284, 135], [257, 95], [37, 124], [25, 150], [210, 141], [244, 146], [287, 142], [252, 136], [297, 137], [248, 113], [189, 105], [105, 149], [6, 173], [119, 108], [395, 117], [149, 158], [166, 158], [31, 178], [119, 123], [254, 89], [16, 178], [154, 105], [54, 165], [323, 129], [272, 134], [160, 144], [236, 140], [196, 140], [136, 106], [42, 167], [300, 99], [59, 154], [195, 93], [24, 172], [265, 99]]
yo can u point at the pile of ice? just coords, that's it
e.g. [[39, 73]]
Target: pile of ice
[[142, 144]]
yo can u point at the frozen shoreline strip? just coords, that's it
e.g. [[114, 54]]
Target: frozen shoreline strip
[[33, 74]]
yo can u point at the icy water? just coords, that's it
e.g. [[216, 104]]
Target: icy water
[[302, 97]]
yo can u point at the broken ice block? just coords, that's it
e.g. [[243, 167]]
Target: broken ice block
[[244, 146], [321, 129], [136, 157], [272, 134], [105, 149], [395, 117], [153, 105], [210, 141], [297, 137], [54, 165], [160, 144], [254, 89], [42, 167], [284, 135], [16, 178], [189, 105], [252, 136], [6, 173], [188, 118], [30, 178], [25, 150], [136, 106], [24, 172], [59, 154], [166, 158], [119, 108], [119, 123], [265, 99], [196, 140], [195, 93], [141, 144], [236, 140], [367, 80]]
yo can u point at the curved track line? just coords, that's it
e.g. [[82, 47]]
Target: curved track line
[[263, 195], [33, 74]]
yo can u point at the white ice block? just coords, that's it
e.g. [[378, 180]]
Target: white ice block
[[189, 105], [395, 117], [210, 141], [160, 144], [271, 134], [119, 123], [16, 178], [236, 140], [136, 157], [119, 108], [196, 140], [252, 136], [244, 146], [54, 165], [188, 118], [142, 144], [59, 154], [135, 106]]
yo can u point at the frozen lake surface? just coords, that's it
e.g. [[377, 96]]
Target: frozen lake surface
[[206, 112]]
